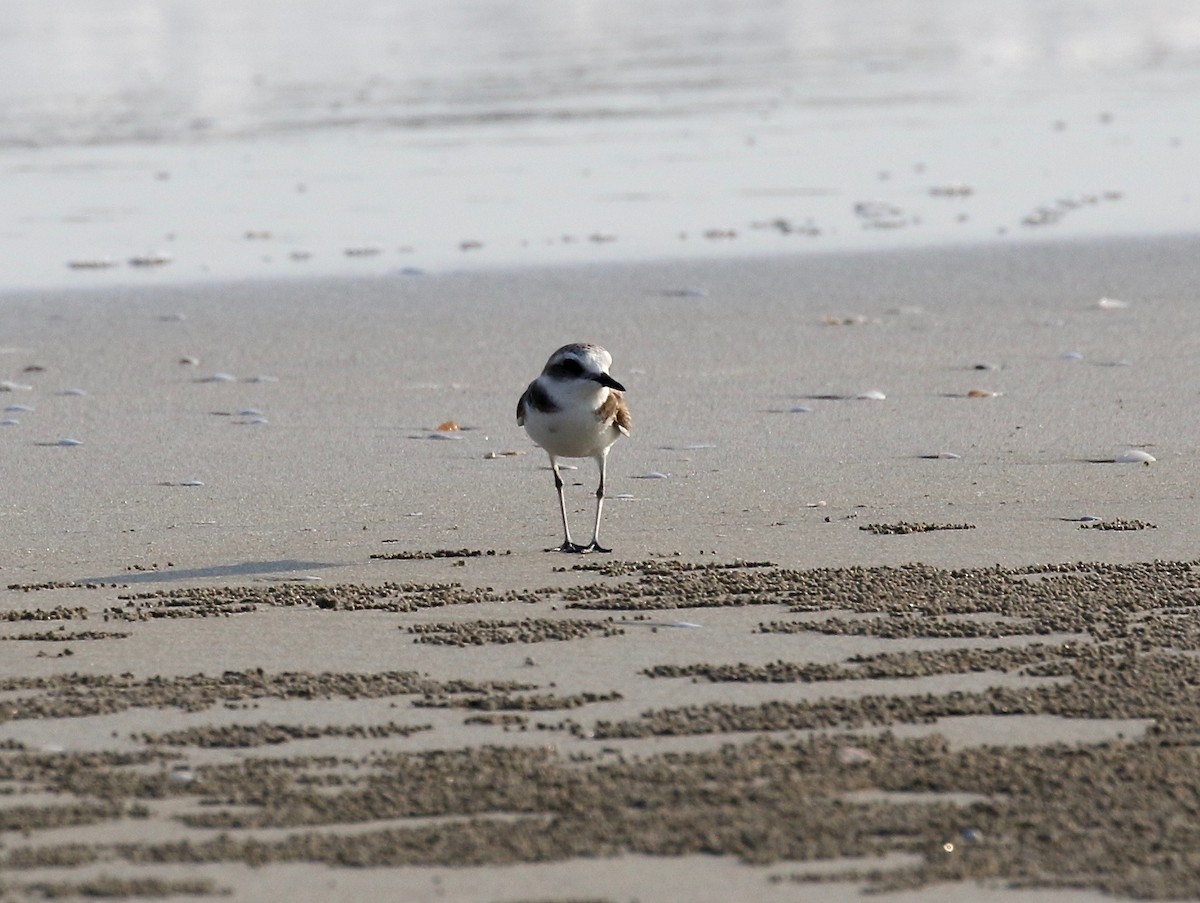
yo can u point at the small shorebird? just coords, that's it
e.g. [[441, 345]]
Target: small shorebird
[[576, 410]]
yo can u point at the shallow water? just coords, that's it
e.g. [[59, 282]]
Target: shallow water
[[286, 138]]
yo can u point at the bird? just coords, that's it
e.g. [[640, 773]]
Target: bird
[[575, 409]]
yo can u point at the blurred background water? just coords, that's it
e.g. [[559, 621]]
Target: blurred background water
[[283, 137]]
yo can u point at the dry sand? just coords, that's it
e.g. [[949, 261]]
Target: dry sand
[[269, 670]]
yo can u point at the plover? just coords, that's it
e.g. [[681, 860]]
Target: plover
[[576, 410]]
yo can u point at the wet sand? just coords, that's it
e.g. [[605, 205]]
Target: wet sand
[[269, 632]]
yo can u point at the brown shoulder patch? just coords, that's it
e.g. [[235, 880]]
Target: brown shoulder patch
[[615, 411]]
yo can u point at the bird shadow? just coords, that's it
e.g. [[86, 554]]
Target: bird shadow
[[244, 569]]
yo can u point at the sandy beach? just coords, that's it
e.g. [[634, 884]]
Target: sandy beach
[[269, 633], [903, 591]]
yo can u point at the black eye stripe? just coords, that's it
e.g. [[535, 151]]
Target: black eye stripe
[[568, 369]]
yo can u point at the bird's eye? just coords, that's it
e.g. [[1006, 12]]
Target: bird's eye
[[570, 367]]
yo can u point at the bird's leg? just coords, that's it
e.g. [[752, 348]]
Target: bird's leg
[[567, 545], [594, 545]]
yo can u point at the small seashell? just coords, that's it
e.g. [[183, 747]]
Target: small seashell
[[624, 496], [944, 456], [189, 361], [800, 409], [1112, 304], [67, 443], [19, 409], [10, 421], [1134, 456], [217, 378], [509, 453], [1089, 519], [982, 393], [192, 483], [653, 475], [854, 755], [152, 259], [255, 421], [73, 391], [7, 385], [871, 395], [1070, 356], [448, 427], [986, 366]]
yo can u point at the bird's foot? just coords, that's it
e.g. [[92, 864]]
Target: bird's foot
[[568, 546], [594, 546]]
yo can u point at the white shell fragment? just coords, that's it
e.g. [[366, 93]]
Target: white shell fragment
[[1111, 304], [68, 443], [18, 409], [217, 378], [1134, 456], [192, 483], [871, 395], [73, 391], [653, 475], [800, 409], [10, 421], [7, 385]]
